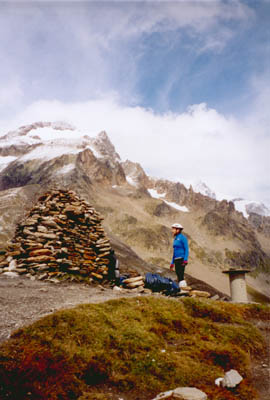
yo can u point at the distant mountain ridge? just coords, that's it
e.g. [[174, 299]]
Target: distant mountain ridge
[[248, 207]]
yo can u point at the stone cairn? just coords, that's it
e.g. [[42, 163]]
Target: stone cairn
[[60, 239]]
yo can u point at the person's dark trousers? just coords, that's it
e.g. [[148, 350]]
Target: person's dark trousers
[[179, 268]]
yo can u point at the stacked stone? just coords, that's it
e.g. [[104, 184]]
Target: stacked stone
[[61, 238]]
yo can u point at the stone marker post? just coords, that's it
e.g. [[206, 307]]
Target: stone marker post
[[238, 284]]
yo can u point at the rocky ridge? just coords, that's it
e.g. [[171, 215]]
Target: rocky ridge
[[135, 174], [260, 223]]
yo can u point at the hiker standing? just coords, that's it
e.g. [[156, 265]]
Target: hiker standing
[[180, 253]]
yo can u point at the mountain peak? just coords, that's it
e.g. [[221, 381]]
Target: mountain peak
[[135, 174], [41, 143], [201, 187], [105, 147], [103, 136]]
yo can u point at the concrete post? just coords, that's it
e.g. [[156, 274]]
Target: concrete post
[[238, 285]]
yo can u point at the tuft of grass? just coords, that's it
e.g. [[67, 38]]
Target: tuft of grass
[[141, 346], [257, 296], [226, 312]]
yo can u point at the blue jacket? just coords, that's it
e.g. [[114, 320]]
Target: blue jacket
[[180, 247]]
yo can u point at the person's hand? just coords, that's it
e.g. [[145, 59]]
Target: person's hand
[[185, 262], [171, 267]]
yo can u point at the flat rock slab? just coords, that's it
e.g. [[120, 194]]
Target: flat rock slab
[[182, 393], [231, 379]]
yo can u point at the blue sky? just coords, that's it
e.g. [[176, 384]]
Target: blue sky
[[180, 86]]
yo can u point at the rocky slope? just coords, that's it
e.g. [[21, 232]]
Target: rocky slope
[[138, 210]]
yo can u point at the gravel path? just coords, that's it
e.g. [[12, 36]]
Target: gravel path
[[23, 301]]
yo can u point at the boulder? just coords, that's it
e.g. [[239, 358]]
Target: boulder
[[182, 393]]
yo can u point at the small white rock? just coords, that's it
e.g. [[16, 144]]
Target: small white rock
[[218, 381], [11, 274], [117, 289]]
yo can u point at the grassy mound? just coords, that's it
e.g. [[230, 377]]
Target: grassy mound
[[139, 346]]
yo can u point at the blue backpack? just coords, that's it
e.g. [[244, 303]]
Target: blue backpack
[[158, 283]]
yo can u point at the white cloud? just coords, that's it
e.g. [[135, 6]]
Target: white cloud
[[200, 143]]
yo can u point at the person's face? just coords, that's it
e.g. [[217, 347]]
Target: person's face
[[175, 231]]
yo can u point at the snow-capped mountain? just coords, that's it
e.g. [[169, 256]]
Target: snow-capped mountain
[[258, 208], [46, 151], [248, 207], [201, 187], [51, 150], [47, 140]]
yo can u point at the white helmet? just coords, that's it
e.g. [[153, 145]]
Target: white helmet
[[177, 226]]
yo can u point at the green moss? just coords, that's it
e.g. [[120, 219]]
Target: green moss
[[139, 345]]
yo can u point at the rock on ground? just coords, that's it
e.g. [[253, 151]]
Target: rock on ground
[[182, 393]]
